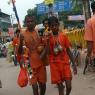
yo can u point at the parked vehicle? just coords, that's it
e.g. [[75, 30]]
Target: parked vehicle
[[3, 50]]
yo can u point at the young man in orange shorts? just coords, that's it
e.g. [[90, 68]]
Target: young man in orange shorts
[[32, 42], [59, 54]]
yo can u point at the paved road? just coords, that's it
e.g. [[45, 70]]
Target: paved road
[[82, 85]]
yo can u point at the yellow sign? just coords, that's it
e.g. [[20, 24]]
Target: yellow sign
[[48, 2]]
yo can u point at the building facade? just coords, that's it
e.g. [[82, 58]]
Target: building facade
[[5, 21]]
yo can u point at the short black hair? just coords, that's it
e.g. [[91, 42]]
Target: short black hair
[[46, 19], [93, 6], [30, 16], [52, 20]]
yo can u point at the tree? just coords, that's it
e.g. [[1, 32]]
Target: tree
[[77, 9], [33, 12], [86, 8]]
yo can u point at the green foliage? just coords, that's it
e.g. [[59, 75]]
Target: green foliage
[[63, 16]]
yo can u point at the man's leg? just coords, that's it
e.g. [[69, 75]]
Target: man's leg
[[68, 87], [35, 89], [85, 67], [0, 84], [15, 60], [60, 88], [42, 88], [42, 77]]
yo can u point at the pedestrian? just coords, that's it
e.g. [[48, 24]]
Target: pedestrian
[[9, 46], [89, 36], [45, 24], [15, 46], [32, 42], [59, 54]]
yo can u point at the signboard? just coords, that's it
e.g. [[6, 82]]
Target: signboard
[[48, 2], [76, 17], [41, 8], [65, 5]]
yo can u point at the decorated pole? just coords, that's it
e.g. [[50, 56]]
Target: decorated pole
[[15, 11]]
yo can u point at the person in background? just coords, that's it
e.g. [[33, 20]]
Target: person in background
[[15, 46], [45, 24], [89, 36], [9, 47], [59, 54]]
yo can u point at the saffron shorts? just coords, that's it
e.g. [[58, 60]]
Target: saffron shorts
[[60, 72]]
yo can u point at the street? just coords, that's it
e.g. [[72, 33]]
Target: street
[[81, 84]]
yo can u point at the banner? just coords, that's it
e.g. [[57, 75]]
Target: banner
[[59, 6], [76, 17]]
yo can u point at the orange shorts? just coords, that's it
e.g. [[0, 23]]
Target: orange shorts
[[60, 72], [39, 75]]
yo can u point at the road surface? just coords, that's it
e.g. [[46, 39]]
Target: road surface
[[81, 85]]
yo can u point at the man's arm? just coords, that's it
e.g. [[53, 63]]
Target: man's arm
[[70, 55], [72, 60]]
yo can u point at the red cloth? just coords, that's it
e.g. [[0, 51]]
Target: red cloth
[[22, 78]]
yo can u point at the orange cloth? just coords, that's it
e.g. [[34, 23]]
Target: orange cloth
[[32, 41], [25, 52], [90, 32], [60, 72], [39, 75], [64, 42], [59, 64], [16, 44], [15, 41]]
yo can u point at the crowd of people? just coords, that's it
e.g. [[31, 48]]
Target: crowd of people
[[34, 52], [53, 44]]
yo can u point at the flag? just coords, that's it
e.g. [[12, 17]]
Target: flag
[[10, 1], [48, 2]]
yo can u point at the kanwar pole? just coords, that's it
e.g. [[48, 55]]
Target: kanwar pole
[[16, 14]]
